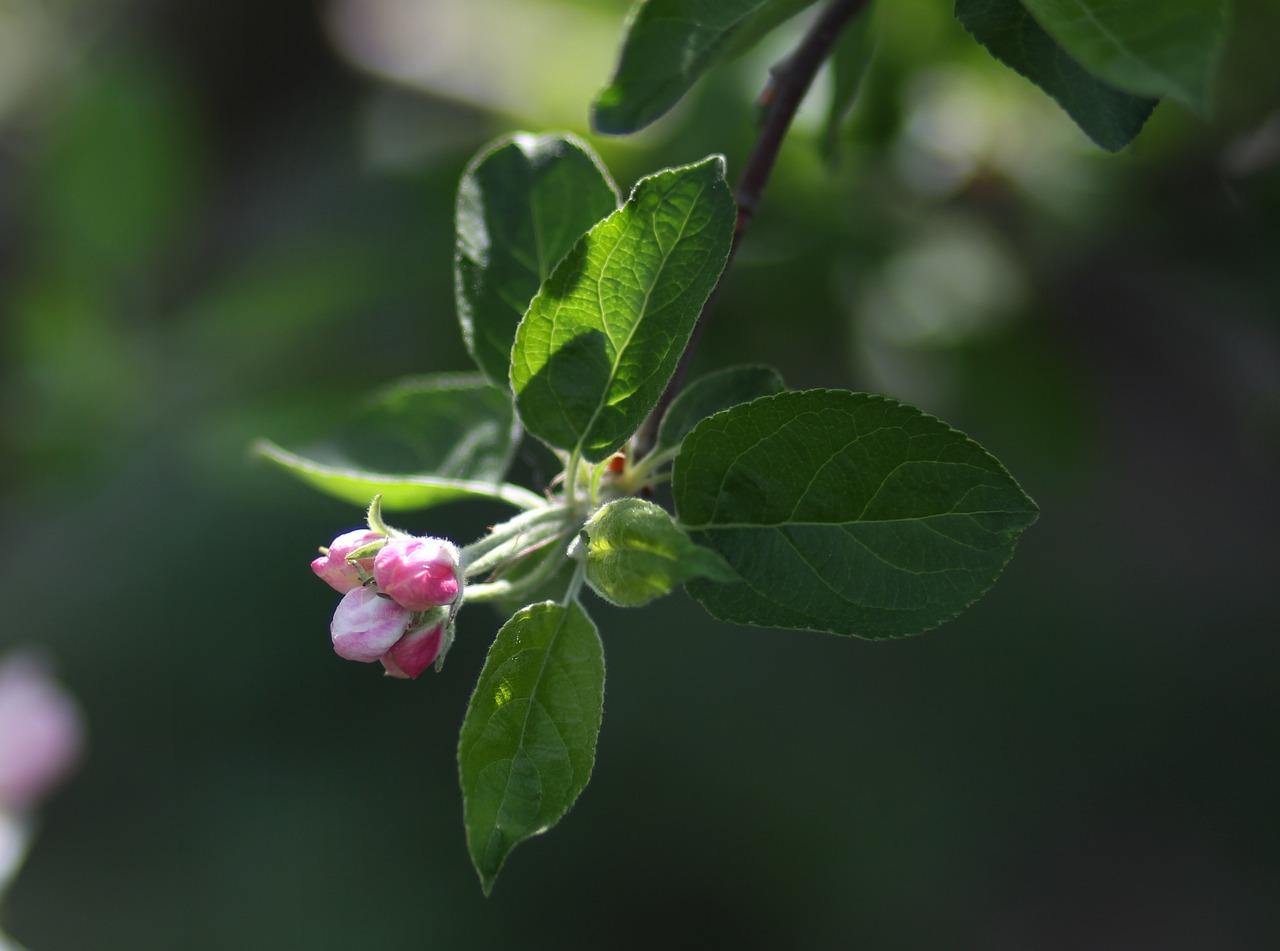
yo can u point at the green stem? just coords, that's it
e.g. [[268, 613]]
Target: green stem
[[571, 477], [513, 549], [501, 590], [575, 586], [597, 473], [519, 496], [642, 472], [518, 533]]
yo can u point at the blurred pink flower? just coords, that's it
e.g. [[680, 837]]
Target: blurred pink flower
[[41, 732]]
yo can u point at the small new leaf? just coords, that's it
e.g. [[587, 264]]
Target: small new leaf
[[845, 512], [635, 552], [528, 742]]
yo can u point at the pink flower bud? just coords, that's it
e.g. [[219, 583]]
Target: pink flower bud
[[41, 732], [333, 567], [419, 573], [414, 652], [366, 625]]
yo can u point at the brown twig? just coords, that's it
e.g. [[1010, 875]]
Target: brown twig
[[788, 83]]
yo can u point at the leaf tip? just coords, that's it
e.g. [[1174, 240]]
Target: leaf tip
[[607, 117], [717, 162], [265, 449]]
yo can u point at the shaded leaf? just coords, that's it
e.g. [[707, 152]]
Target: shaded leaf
[[845, 512], [529, 738], [452, 425], [522, 204], [1109, 117], [669, 44], [1154, 48], [710, 394], [419, 442], [604, 334], [849, 60]]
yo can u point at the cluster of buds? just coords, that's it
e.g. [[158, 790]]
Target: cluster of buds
[[399, 595]]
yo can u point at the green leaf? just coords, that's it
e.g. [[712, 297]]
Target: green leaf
[[420, 442], [1109, 117], [604, 334], [712, 393], [399, 492], [669, 44], [845, 512], [529, 738], [635, 552], [522, 203], [849, 60], [1153, 48]]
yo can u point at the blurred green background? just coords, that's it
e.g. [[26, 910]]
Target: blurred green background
[[223, 221]]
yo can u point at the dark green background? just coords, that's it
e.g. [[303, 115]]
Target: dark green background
[[213, 227]]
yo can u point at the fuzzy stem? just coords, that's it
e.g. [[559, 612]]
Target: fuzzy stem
[[575, 585], [496, 590], [479, 556]]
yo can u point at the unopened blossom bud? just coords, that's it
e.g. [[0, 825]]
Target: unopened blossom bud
[[333, 568], [41, 732], [414, 652], [366, 625], [418, 573]]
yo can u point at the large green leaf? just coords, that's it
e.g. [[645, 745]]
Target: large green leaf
[[845, 512], [420, 442], [635, 552], [669, 44], [710, 394], [1153, 48], [603, 336], [529, 739], [522, 203], [1109, 117]]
